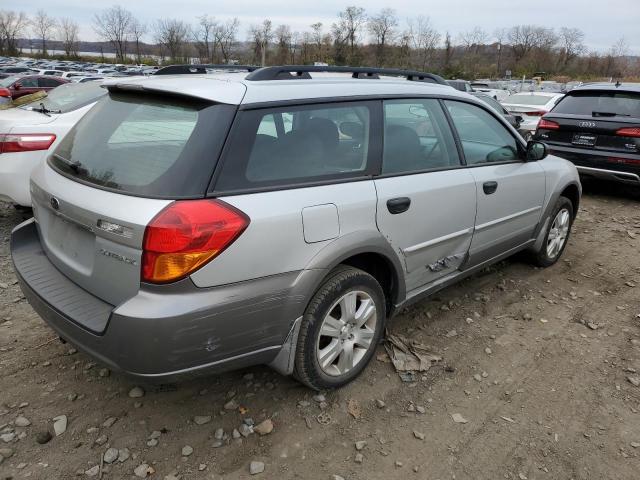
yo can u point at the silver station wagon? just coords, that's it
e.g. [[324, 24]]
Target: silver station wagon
[[196, 223]]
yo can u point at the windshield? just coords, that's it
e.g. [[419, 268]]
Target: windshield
[[69, 97], [528, 99], [607, 102], [6, 82]]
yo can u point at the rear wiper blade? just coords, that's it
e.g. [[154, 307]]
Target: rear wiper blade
[[608, 114], [45, 110], [76, 166]]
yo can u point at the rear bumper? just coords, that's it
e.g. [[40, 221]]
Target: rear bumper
[[166, 332], [597, 164]]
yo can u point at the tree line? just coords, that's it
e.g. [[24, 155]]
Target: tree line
[[355, 38]]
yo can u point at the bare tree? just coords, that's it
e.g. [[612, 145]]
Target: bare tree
[[43, 26], [12, 25], [571, 44], [423, 38], [113, 25], [473, 39], [204, 37], [137, 30], [317, 35], [172, 35], [261, 36], [283, 41], [525, 38], [350, 23], [68, 34], [382, 28], [225, 37]]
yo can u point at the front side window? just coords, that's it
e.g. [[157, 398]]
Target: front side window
[[294, 145], [416, 137], [28, 82], [484, 139]]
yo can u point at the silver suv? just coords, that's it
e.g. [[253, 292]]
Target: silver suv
[[201, 223]]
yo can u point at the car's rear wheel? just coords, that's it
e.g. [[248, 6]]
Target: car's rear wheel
[[557, 234], [340, 330]]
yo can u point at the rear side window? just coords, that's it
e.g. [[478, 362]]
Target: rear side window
[[483, 137], [416, 137], [146, 145], [293, 145], [600, 103]]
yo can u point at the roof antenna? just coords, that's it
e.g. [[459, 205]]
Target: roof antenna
[[618, 83]]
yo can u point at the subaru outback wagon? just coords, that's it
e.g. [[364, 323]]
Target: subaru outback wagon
[[276, 217]]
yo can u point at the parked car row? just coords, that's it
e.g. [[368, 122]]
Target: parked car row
[[278, 216], [74, 71]]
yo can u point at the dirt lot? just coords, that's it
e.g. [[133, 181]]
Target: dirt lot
[[541, 364]]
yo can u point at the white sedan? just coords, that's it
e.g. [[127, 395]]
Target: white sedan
[[30, 132], [531, 107]]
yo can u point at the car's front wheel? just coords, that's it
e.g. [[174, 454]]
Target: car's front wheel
[[557, 234], [340, 330]]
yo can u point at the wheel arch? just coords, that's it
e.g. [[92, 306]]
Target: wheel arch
[[370, 252]]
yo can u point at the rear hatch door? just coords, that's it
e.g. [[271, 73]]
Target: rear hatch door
[[126, 160]]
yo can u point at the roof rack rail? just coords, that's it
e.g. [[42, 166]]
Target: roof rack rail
[[292, 72], [202, 68]]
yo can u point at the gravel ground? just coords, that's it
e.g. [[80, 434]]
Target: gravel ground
[[542, 365]]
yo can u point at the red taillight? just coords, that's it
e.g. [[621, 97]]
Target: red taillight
[[5, 92], [629, 132], [548, 125], [186, 235], [537, 113], [25, 142], [624, 161]]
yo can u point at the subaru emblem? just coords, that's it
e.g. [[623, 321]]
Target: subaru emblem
[[55, 203]]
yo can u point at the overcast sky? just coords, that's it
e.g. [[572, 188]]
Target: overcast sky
[[603, 23]]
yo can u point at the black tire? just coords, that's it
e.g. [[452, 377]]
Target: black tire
[[541, 257], [339, 282]]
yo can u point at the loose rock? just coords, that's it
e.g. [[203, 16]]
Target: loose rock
[[136, 392], [458, 418], [264, 428], [60, 425], [201, 419], [22, 422], [93, 471], [256, 467], [111, 455], [361, 444], [187, 450]]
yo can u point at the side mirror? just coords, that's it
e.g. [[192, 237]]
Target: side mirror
[[519, 118], [536, 151], [17, 86]]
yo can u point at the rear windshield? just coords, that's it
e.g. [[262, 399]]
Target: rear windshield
[[69, 97], [528, 99], [601, 102], [146, 145]]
